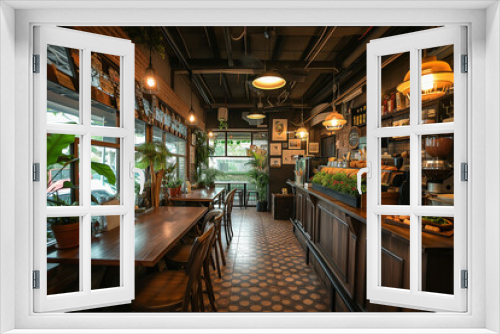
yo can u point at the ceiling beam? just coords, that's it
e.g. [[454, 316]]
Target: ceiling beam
[[226, 87], [245, 105], [210, 64], [229, 47], [212, 41], [277, 47], [170, 40]]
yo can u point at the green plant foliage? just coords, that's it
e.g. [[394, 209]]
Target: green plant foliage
[[174, 183], [208, 175], [339, 182], [152, 153], [258, 174], [151, 37], [223, 124], [203, 151]]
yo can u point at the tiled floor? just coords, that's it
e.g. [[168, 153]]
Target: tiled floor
[[266, 270]]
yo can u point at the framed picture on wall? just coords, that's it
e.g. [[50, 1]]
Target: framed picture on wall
[[294, 144], [289, 154], [275, 149], [313, 147], [275, 162], [280, 128]]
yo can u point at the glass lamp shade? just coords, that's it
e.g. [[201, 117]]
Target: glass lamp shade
[[334, 121], [256, 115], [268, 81], [210, 134], [437, 78], [150, 79], [302, 133]]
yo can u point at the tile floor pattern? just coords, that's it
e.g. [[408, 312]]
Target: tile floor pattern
[[266, 269]]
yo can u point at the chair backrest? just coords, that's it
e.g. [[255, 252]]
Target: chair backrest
[[209, 217], [228, 206], [198, 254]]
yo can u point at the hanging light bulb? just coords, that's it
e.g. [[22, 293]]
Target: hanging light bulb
[[150, 77], [302, 132], [210, 134], [334, 121], [191, 119]]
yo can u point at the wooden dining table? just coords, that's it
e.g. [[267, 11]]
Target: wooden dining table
[[156, 232], [203, 196]]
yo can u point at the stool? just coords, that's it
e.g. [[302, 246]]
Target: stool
[[249, 194]]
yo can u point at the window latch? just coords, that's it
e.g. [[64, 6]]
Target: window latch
[[465, 64], [464, 171]]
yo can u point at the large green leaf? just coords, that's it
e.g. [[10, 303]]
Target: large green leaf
[[105, 171], [56, 143]]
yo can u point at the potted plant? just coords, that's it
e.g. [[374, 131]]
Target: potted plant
[[66, 229], [260, 177], [209, 175], [174, 187], [154, 156], [203, 152]]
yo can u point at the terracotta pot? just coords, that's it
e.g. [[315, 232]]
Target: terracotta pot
[[178, 190], [67, 236], [172, 192]]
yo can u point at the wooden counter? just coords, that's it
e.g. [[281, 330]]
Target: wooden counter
[[334, 237]]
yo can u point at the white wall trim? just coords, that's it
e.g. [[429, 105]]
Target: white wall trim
[[263, 322], [7, 166]]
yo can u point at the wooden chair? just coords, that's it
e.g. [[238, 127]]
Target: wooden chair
[[228, 209], [176, 289], [180, 253]]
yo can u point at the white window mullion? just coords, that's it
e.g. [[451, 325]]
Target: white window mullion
[[415, 152]]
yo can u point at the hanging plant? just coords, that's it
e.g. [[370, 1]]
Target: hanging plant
[[223, 124], [150, 37]]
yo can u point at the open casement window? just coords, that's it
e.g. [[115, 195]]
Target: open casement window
[[433, 193], [84, 154]]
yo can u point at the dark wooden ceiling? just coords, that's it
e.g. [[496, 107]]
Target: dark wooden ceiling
[[222, 61]]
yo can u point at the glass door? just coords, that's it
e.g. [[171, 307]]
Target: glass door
[[417, 134], [84, 158]]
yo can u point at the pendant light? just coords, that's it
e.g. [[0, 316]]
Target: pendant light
[[334, 121], [270, 79], [437, 78], [302, 132], [210, 134], [150, 77], [191, 119], [257, 113]]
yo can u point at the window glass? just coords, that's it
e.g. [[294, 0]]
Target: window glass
[[140, 132], [157, 134], [234, 169], [218, 142], [105, 173], [238, 143], [260, 140], [175, 145]]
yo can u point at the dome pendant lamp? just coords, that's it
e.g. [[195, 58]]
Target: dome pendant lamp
[[437, 79], [302, 132], [270, 79], [334, 121], [258, 113]]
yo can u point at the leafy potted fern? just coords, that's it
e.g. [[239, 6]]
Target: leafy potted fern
[[260, 177], [209, 175], [174, 187]]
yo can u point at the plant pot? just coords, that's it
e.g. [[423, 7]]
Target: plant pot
[[211, 185], [67, 236], [354, 201], [261, 206], [178, 190], [172, 192]]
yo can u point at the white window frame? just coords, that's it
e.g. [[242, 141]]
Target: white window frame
[[484, 47], [413, 44], [86, 43]]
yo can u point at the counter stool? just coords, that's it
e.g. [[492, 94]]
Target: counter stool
[[251, 193]]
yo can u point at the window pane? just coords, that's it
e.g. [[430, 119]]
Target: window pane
[[395, 171], [219, 144], [63, 277], [105, 173], [182, 168], [106, 233], [238, 143], [63, 81], [140, 132], [157, 135], [235, 169], [395, 252], [105, 90], [260, 140], [395, 82], [437, 169], [175, 145], [437, 85], [62, 170], [437, 254]]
